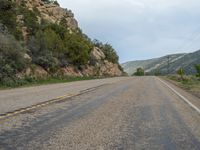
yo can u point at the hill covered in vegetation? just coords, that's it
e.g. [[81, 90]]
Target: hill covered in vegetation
[[167, 64], [39, 39]]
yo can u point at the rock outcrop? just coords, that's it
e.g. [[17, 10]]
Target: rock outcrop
[[104, 67], [51, 12], [98, 65], [109, 69]]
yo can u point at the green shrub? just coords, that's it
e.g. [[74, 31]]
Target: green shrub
[[181, 73], [197, 67], [139, 72], [58, 29], [40, 53], [12, 59], [54, 45], [8, 15], [77, 48], [30, 19], [54, 42], [157, 72]]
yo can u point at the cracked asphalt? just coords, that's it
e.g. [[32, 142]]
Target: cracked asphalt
[[131, 114]]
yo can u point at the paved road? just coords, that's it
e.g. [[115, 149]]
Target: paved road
[[15, 99], [136, 113]]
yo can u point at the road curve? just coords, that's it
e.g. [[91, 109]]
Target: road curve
[[136, 113]]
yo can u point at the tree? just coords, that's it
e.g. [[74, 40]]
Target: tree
[[181, 73], [139, 72], [197, 67]]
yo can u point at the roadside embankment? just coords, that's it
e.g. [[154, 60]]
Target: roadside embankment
[[190, 83]]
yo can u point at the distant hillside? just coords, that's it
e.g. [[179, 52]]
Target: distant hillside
[[160, 65]]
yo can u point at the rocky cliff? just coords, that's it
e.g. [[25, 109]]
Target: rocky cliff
[[51, 11], [50, 42]]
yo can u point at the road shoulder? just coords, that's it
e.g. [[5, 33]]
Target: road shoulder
[[187, 95]]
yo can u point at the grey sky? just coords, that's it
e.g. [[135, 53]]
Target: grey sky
[[140, 29]]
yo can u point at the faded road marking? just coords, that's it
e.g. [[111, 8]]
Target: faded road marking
[[16, 112], [43, 104]]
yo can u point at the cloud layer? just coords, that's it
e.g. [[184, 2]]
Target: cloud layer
[[140, 29]]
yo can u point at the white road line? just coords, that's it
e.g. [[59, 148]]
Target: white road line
[[181, 96]]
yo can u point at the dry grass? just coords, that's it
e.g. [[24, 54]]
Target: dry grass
[[190, 83]]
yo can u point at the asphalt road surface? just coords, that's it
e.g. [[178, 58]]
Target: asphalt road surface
[[14, 99], [129, 114]]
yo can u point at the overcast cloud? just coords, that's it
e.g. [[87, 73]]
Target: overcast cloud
[[140, 29]]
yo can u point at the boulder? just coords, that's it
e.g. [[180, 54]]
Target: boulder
[[34, 71], [96, 56], [39, 72]]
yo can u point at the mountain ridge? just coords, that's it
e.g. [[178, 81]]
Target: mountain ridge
[[160, 64]]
